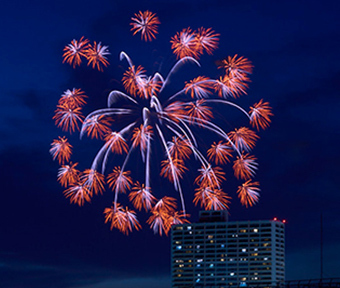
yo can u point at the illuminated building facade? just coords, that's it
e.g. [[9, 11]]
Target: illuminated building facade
[[215, 253]]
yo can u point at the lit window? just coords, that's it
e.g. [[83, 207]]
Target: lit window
[[199, 260], [256, 249], [198, 246], [189, 227], [210, 236], [256, 230], [232, 274], [244, 250], [211, 265], [198, 280], [198, 265], [222, 245], [265, 258], [179, 247]]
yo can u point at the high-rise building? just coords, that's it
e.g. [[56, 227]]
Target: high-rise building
[[217, 253]]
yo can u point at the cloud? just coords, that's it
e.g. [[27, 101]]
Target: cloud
[[15, 270], [305, 263], [23, 266], [26, 118], [140, 282]]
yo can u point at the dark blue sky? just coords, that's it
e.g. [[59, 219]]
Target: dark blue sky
[[294, 45]]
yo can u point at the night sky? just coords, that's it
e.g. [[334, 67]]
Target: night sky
[[294, 46]]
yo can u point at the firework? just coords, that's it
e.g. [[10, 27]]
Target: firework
[[143, 117], [67, 117], [68, 175], [194, 43], [146, 23], [123, 219], [61, 150], [95, 54], [141, 197], [74, 51], [249, 193]]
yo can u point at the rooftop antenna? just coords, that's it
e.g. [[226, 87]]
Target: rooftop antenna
[[321, 248]]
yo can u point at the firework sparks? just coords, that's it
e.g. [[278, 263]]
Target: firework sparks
[[199, 112], [61, 150], [141, 197], [67, 117], [94, 181], [173, 169], [74, 51], [220, 153], [116, 142], [238, 67], [185, 44], [119, 180], [73, 98], [199, 87], [210, 177], [68, 174], [146, 23], [96, 127], [211, 198], [141, 136], [260, 115], [96, 55], [245, 166], [144, 117], [249, 193], [230, 86], [164, 215], [194, 43], [78, 194], [208, 39], [244, 138], [179, 148], [122, 219]]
